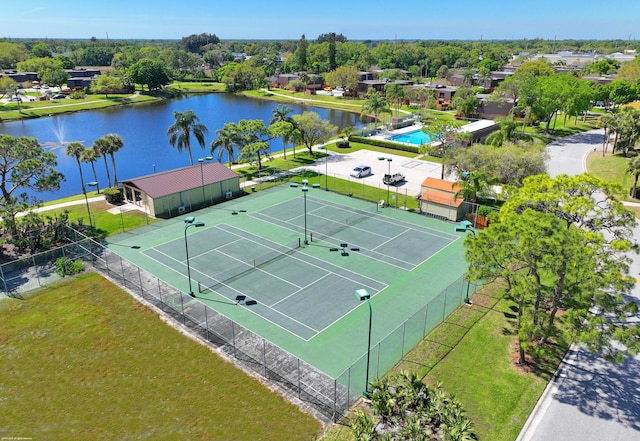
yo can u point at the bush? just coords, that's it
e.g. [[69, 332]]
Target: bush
[[68, 267], [76, 95], [483, 210], [113, 195], [386, 144], [342, 144]]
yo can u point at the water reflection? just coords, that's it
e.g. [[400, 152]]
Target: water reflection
[[143, 129]]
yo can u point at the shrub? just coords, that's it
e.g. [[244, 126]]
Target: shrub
[[483, 210], [76, 95], [385, 143], [67, 267], [113, 195], [342, 144]]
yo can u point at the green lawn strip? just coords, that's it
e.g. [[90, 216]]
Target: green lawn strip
[[46, 108], [195, 87], [83, 360], [479, 370], [471, 353], [612, 168], [108, 222]]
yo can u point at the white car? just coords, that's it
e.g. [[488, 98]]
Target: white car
[[361, 171]]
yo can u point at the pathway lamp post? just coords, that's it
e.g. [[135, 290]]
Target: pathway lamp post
[[382, 158], [363, 295], [190, 221]]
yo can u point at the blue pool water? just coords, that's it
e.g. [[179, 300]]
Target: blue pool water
[[418, 137]]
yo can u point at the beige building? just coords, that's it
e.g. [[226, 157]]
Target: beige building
[[438, 199], [175, 192]]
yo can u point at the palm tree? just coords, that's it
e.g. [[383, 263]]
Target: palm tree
[[76, 149], [633, 168], [91, 155], [281, 114], [375, 104], [101, 146], [179, 133], [226, 139], [114, 143], [606, 122], [474, 184]]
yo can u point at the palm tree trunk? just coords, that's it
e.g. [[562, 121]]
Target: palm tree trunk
[[635, 185], [106, 166], [115, 176], [95, 176]]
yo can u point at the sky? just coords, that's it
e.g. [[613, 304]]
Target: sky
[[288, 20]]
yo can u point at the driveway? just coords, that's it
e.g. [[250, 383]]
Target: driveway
[[414, 170], [589, 399]]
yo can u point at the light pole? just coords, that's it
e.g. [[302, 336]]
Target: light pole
[[465, 226], [363, 294], [190, 221], [201, 161], [382, 158], [305, 189], [326, 169], [84, 190]]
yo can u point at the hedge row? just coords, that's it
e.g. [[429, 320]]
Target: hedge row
[[386, 144]]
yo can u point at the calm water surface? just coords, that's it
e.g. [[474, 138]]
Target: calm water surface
[[143, 129]]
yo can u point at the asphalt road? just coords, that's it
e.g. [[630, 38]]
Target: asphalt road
[[589, 399]]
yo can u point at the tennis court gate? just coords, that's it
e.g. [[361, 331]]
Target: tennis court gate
[[326, 397]]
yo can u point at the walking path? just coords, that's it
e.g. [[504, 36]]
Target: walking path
[[589, 399]]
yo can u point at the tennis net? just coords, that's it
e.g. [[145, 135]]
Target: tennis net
[[340, 225], [238, 271]]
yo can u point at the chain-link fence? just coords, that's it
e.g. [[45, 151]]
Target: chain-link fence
[[326, 396]]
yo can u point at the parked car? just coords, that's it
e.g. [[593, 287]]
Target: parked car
[[361, 171], [59, 96], [393, 179]]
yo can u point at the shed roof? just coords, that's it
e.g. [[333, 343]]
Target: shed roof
[[441, 184], [441, 198], [181, 179]]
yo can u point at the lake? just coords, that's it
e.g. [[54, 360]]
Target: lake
[[143, 128]]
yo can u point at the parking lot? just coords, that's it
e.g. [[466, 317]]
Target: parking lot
[[414, 170]]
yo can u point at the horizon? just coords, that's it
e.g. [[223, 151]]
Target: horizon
[[414, 20]]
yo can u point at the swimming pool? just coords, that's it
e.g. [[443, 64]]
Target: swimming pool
[[417, 137]]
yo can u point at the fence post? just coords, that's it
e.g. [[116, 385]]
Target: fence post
[[426, 317], [335, 400], [404, 332], [140, 280], [233, 337], [33, 259], [444, 308], [206, 321], [4, 282], [299, 382], [182, 308], [160, 294], [264, 356]]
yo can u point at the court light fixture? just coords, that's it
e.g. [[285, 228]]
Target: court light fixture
[[363, 295], [190, 221]]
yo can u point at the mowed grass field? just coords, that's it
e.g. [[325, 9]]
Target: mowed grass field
[[82, 360]]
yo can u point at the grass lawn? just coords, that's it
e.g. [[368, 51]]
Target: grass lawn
[[105, 221], [194, 87], [611, 168], [91, 102], [82, 360]]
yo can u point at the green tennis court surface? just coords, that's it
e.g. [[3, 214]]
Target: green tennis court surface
[[256, 269]]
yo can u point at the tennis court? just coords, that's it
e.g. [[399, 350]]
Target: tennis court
[[256, 269]]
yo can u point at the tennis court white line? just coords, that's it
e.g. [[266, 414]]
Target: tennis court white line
[[386, 262], [386, 220], [298, 291], [292, 319]]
